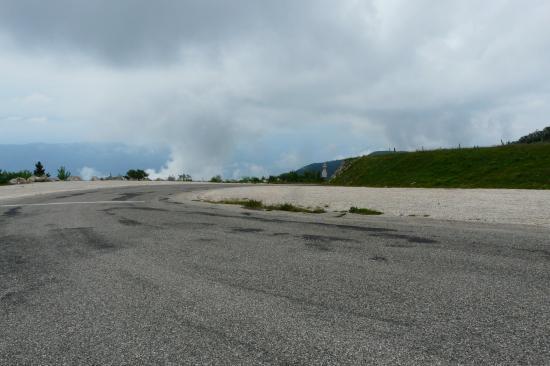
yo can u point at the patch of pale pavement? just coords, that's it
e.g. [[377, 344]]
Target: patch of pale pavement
[[508, 206]]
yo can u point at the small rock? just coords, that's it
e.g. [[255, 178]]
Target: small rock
[[74, 178], [95, 179], [35, 179], [18, 180]]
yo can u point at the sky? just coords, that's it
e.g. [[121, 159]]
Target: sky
[[247, 87]]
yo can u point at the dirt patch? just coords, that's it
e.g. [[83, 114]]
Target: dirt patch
[[128, 196], [83, 236], [378, 259], [73, 195], [129, 222], [246, 230], [409, 238], [12, 212]]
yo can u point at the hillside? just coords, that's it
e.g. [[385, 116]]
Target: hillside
[[510, 166], [386, 152]]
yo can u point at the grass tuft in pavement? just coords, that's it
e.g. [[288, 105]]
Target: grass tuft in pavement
[[259, 205], [292, 208], [364, 211]]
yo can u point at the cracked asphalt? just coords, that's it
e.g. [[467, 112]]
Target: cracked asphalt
[[139, 279]]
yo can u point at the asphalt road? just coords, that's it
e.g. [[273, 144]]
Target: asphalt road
[[124, 276]]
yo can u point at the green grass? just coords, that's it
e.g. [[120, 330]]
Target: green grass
[[259, 205], [292, 208], [510, 166], [253, 204], [364, 211]]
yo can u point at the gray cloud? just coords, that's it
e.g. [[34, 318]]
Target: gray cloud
[[142, 31], [208, 78]]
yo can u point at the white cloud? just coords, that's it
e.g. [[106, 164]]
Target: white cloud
[[381, 73], [86, 173]]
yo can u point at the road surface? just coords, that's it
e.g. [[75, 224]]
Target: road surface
[[125, 276]]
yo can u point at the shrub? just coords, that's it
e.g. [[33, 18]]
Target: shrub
[[39, 170], [63, 174], [136, 174], [254, 180], [295, 177], [6, 176], [216, 179]]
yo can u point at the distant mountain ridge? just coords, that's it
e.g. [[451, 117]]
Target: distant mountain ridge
[[332, 166], [103, 157]]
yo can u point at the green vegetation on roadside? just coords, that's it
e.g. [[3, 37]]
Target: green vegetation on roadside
[[305, 177], [63, 173], [298, 177], [259, 205], [5, 176], [137, 174], [39, 170], [510, 166], [216, 179], [364, 211]]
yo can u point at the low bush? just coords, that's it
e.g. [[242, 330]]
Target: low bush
[[364, 211], [6, 176], [63, 174], [294, 177], [216, 179], [136, 174]]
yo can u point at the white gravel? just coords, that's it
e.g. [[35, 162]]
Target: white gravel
[[512, 206], [25, 190]]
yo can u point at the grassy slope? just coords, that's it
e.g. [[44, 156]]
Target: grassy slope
[[510, 166]]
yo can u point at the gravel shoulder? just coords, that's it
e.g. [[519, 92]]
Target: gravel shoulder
[[37, 189], [503, 206]]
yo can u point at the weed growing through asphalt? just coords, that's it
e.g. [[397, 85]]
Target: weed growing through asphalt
[[292, 208], [259, 205], [364, 211]]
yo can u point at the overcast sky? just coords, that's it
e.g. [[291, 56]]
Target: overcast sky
[[257, 87]]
